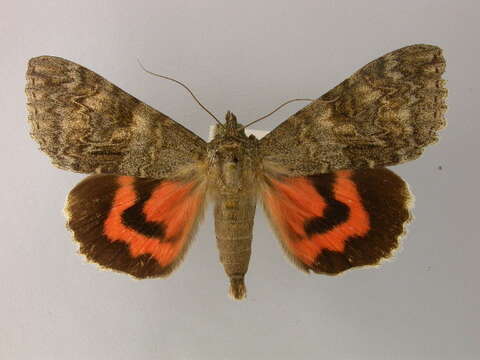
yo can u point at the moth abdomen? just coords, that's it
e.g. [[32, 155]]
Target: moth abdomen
[[233, 227]]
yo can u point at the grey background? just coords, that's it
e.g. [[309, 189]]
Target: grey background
[[246, 57]]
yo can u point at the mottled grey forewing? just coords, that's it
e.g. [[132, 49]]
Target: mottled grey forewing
[[87, 124], [384, 114]]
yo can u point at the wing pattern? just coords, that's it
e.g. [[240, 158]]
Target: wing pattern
[[135, 225], [384, 114], [86, 124], [328, 223]]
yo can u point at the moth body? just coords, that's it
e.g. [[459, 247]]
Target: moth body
[[232, 173], [320, 174]]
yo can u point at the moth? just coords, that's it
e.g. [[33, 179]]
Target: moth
[[320, 174]]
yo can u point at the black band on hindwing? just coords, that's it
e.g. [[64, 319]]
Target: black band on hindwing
[[386, 199], [335, 213], [134, 216], [95, 196]]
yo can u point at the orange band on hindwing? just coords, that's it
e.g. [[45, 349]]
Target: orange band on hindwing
[[317, 213], [331, 222], [166, 214], [331, 230], [135, 225]]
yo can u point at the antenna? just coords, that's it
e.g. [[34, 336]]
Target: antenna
[[275, 110], [184, 86]]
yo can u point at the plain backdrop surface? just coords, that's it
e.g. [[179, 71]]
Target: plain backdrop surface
[[246, 57]]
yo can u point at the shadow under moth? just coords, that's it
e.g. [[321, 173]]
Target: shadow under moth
[[320, 174]]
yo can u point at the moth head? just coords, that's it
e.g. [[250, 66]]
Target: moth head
[[231, 129]]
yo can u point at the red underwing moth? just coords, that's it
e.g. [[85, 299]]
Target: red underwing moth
[[320, 174]]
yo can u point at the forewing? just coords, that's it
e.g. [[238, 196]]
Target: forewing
[[139, 226], [329, 223], [86, 124], [384, 114]]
